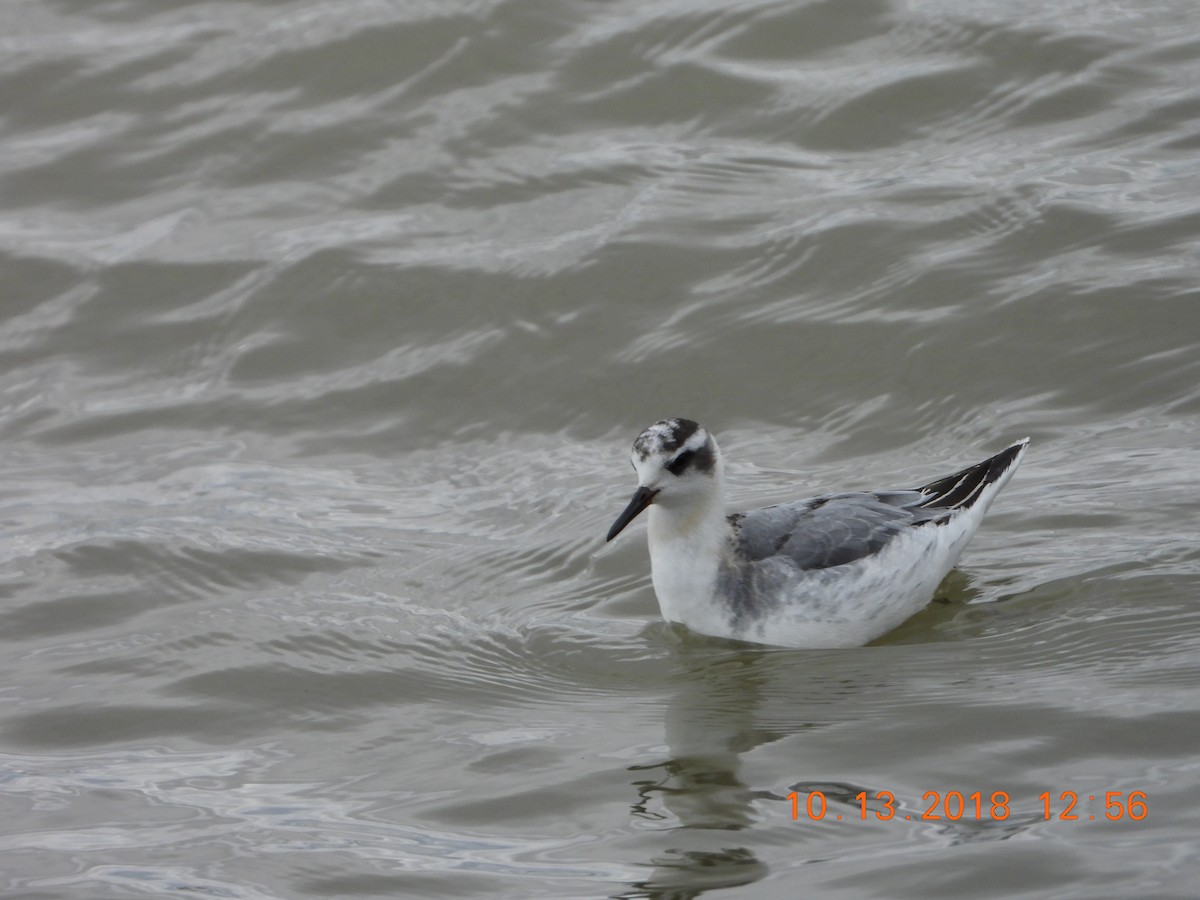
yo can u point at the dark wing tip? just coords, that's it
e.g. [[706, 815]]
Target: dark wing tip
[[964, 487]]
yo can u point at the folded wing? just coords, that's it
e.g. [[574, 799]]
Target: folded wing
[[832, 530], [840, 528]]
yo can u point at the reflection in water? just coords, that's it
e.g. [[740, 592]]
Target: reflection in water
[[710, 722], [683, 874], [730, 700]]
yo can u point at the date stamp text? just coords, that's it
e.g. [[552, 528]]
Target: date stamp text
[[953, 806]]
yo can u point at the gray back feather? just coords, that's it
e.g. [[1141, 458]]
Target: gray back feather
[[829, 531]]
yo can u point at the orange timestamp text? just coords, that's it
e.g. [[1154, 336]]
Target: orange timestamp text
[[976, 806]]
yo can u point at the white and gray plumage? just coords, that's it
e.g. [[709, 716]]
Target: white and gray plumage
[[837, 570]]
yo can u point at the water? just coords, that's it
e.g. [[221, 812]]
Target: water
[[326, 328]]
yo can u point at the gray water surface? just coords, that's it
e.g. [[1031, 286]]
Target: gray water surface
[[325, 329]]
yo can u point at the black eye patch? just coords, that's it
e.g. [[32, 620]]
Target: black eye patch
[[681, 462]]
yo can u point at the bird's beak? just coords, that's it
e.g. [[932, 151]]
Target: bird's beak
[[642, 498]]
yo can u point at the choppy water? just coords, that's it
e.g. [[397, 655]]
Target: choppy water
[[326, 327]]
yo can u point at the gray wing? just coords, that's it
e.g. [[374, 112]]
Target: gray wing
[[832, 530]]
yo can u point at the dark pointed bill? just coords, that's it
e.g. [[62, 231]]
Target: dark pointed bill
[[641, 499]]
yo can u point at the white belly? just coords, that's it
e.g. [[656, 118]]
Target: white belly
[[774, 602]]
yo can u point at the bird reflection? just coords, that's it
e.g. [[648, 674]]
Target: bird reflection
[[697, 795]]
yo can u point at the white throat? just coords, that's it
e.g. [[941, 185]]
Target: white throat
[[688, 540]]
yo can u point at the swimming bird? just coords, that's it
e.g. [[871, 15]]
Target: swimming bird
[[836, 570]]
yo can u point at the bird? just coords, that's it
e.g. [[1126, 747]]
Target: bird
[[834, 570]]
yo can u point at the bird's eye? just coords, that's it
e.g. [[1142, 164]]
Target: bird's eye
[[679, 463]]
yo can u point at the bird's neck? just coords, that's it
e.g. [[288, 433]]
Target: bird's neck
[[700, 523], [687, 545]]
